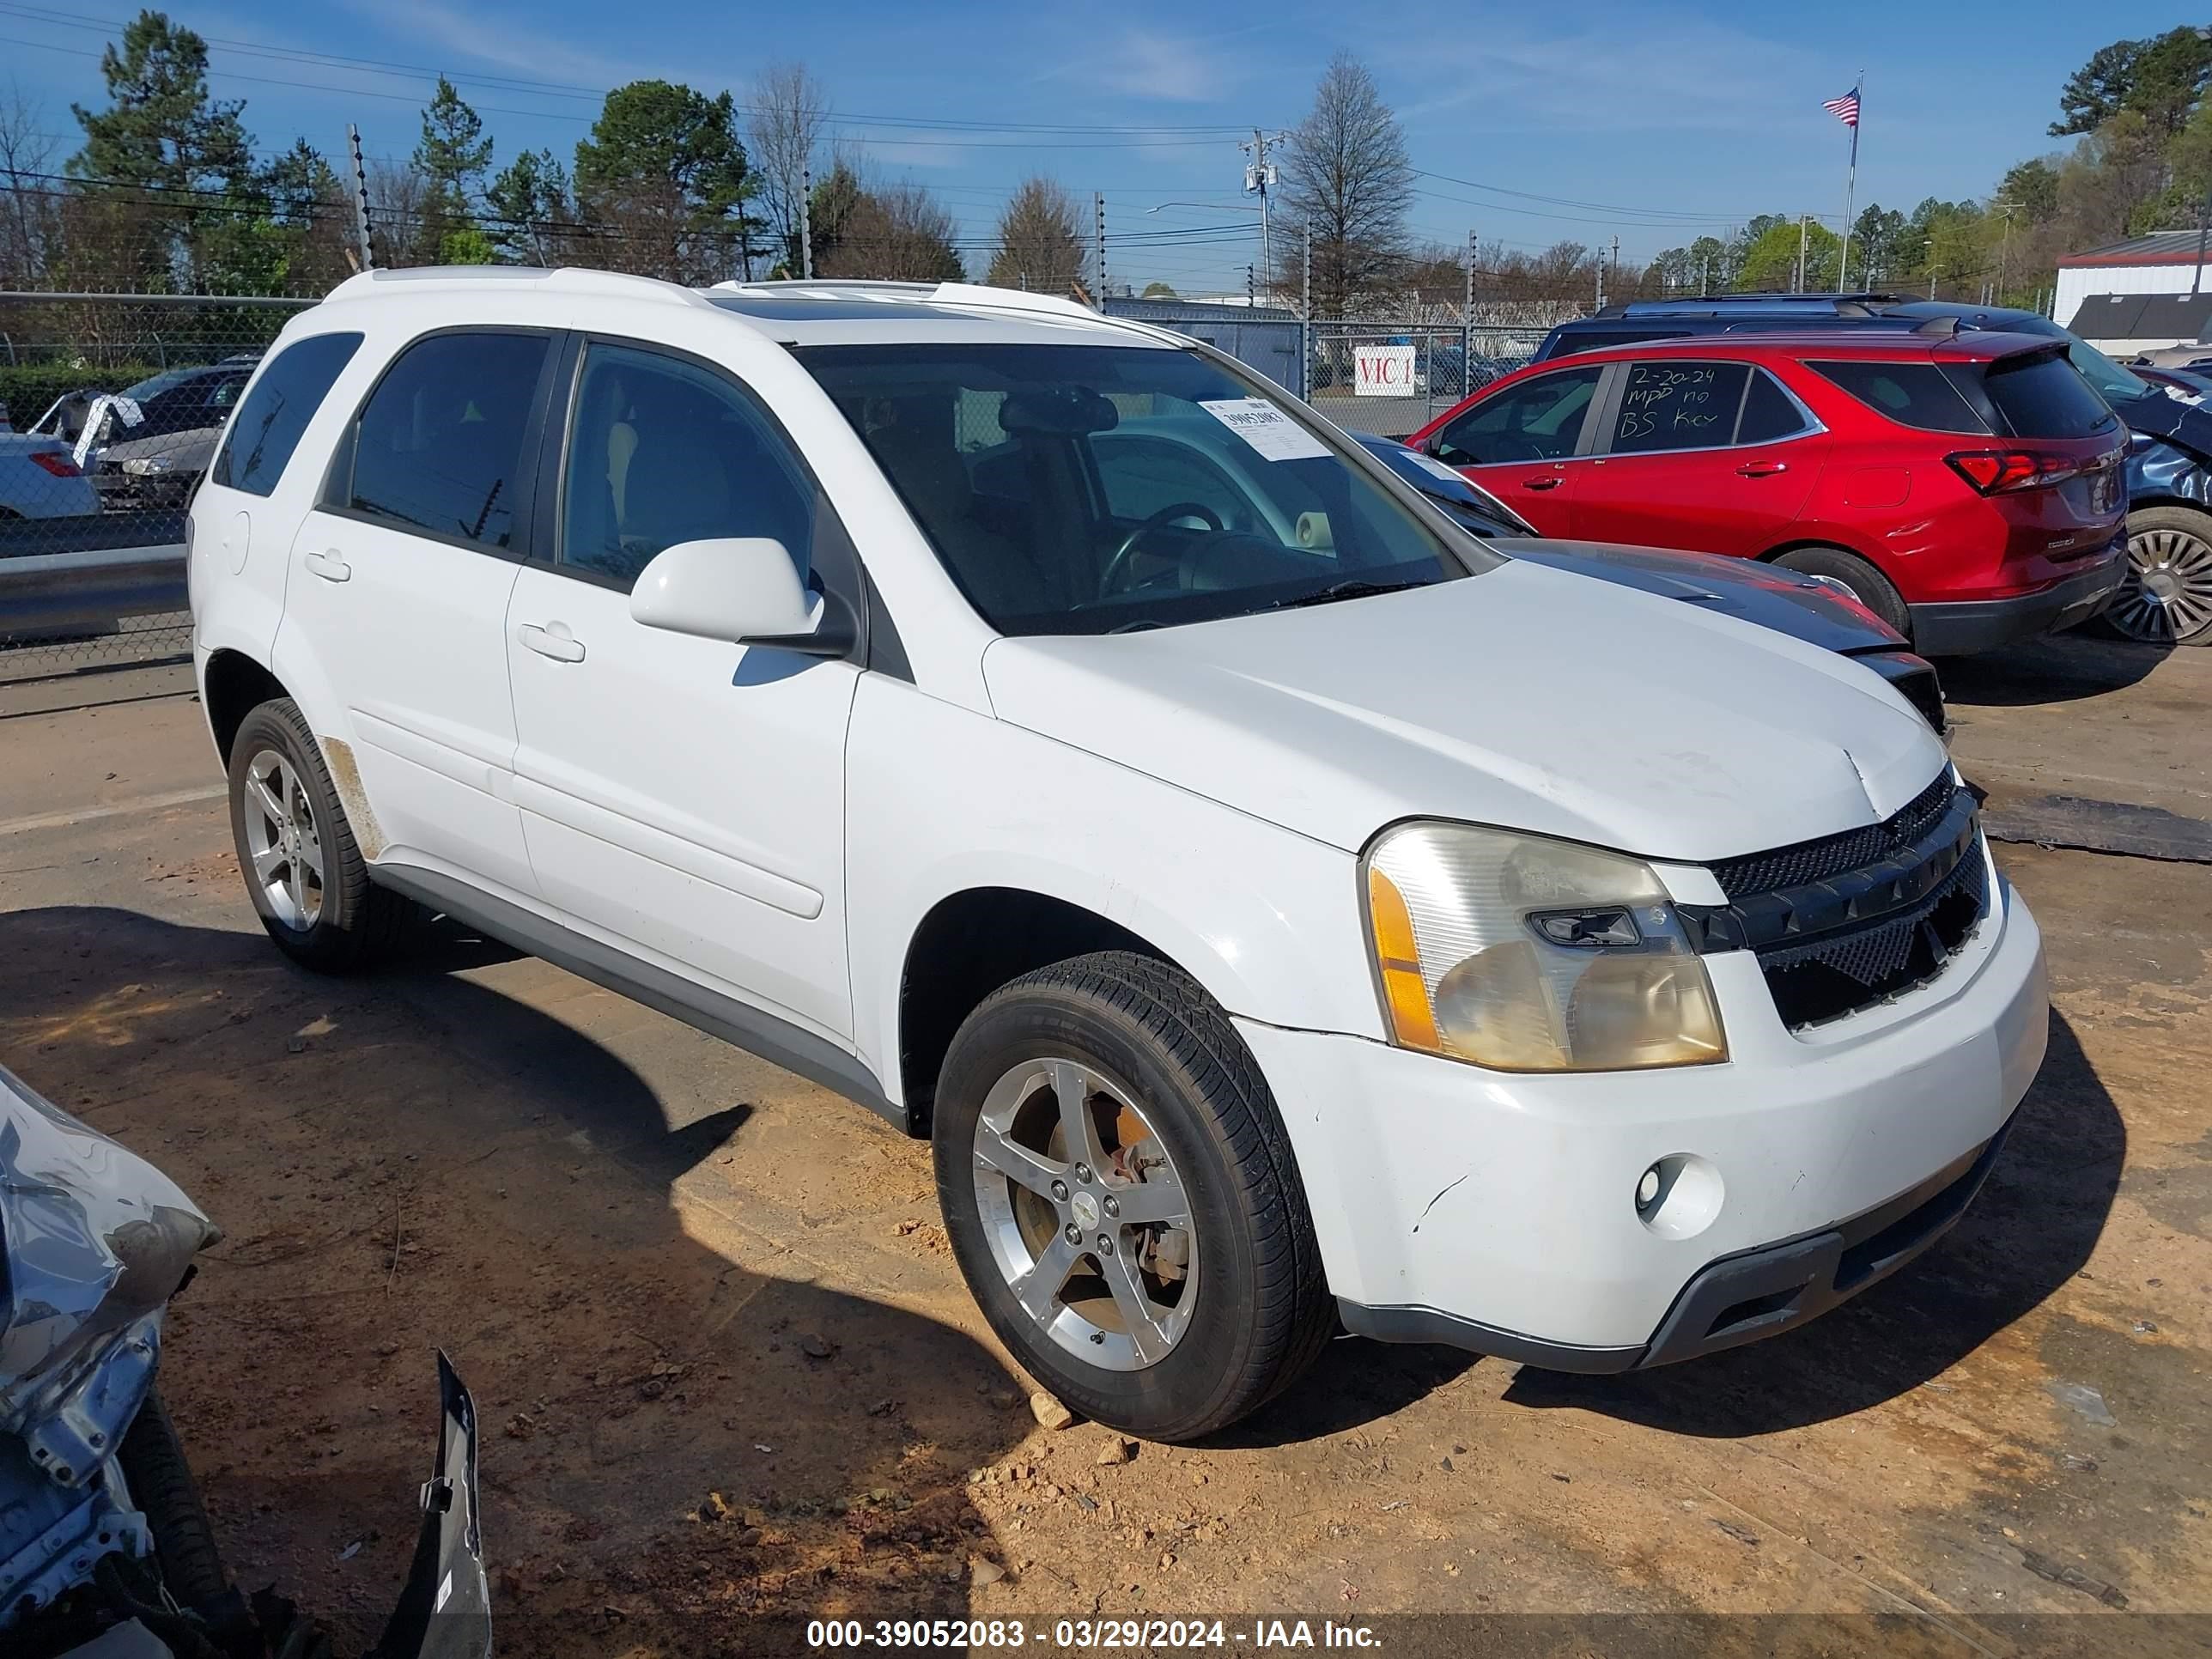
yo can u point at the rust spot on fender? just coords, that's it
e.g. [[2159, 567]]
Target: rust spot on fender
[[345, 777]]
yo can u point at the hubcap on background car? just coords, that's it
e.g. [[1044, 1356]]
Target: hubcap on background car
[[1086, 1213], [2166, 594], [281, 841]]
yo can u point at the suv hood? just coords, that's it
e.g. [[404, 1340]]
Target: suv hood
[[1522, 696]]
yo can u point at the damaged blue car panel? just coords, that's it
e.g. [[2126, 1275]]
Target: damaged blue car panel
[[2160, 470], [94, 1242]]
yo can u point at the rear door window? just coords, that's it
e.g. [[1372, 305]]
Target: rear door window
[[1912, 394], [277, 411], [438, 448], [1676, 405], [2042, 395], [1769, 413]]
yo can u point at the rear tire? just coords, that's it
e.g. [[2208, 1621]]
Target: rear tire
[[1869, 586], [1229, 1299], [2165, 597], [306, 877]]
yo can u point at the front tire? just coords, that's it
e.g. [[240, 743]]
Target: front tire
[[1122, 1197], [2165, 597], [306, 876]]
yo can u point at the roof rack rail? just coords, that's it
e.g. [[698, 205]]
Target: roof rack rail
[[1863, 304], [943, 294], [559, 279]]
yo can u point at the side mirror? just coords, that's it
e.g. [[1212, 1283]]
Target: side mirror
[[742, 589]]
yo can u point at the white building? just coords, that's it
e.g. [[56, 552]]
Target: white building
[[2164, 262]]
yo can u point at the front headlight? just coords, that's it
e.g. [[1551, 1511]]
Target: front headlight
[[1525, 954]]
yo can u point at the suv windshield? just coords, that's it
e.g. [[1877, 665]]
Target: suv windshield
[[1087, 490]]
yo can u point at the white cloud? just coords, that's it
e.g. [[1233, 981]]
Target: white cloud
[[525, 48]]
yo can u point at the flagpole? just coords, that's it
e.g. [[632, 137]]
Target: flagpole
[[1851, 190]]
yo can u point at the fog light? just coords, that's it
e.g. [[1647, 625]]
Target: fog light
[[1680, 1195]]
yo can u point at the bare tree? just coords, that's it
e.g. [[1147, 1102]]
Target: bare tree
[[790, 114], [399, 199], [30, 215], [1040, 239], [1346, 173], [899, 232]]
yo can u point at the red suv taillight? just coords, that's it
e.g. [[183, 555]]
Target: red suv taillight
[[54, 461], [1995, 472]]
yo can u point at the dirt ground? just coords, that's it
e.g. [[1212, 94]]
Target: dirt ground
[[728, 1374]]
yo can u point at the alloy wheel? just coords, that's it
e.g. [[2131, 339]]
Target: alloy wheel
[[2166, 595], [283, 841], [1086, 1215]]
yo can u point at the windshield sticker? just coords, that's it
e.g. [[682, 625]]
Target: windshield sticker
[[1434, 468], [1266, 428]]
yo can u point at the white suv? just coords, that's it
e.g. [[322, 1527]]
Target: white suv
[[1277, 908]]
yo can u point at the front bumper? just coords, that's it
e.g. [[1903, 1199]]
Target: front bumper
[[1497, 1212], [1961, 628]]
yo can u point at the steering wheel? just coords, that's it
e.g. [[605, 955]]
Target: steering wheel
[[1167, 515]]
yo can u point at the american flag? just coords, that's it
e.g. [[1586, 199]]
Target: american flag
[[1846, 108]]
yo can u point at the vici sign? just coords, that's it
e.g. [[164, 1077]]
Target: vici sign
[[1383, 371]]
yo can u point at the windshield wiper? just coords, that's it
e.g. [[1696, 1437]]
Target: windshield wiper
[[1354, 588]]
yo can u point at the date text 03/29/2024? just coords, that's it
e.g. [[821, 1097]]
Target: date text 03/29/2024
[[1087, 1635]]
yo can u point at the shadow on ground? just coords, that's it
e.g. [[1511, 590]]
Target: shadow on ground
[[2032, 1229], [678, 1451], [2061, 668]]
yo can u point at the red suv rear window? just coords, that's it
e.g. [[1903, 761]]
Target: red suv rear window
[[1912, 394], [2040, 396]]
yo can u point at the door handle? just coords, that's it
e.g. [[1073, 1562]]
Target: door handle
[[329, 567], [1549, 483], [1762, 469], [553, 640]]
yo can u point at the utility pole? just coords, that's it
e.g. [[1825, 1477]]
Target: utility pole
[[2004, 250], [1803, 247], [2203, 231], [1704, 276], [806, 223], [360, 196], [1306, 318], [1098, 212], [1466, 322], [1258, 179], [1600, 279], [1615, 263]]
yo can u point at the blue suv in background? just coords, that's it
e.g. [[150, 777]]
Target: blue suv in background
[[2166, 599]]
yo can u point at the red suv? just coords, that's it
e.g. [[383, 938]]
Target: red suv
[[1968, 488]]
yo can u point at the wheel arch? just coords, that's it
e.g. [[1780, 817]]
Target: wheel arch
[[232, 686], [968, 945]]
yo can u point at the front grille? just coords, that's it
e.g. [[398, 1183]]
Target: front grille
[[1848, 921], [1841, 975], [1831, 856]]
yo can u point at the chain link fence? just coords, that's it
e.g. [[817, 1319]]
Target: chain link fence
[[1391, 379], [111, 405]]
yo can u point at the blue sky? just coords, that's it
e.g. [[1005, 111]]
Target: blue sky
[[1652, 122]]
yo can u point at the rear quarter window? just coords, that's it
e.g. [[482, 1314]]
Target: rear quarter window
[[268, 425], [1912, 394], [2045, 396]]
